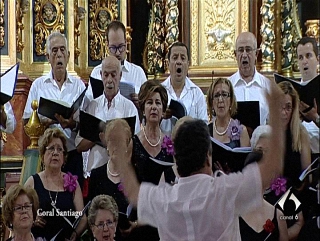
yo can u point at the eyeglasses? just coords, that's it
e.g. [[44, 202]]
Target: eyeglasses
[[223, 95], [248, 50], [109, 224], [51, 149], [19, 209], [287, 108], [114, 49]]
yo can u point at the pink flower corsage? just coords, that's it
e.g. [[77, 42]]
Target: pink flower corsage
[[269, 226], [234, 130], [120, 187], [70, 182], [168, 145], [279, 185]]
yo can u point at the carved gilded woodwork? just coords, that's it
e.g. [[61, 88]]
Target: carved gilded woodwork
[[49, 17], [79, 13], [267, 32], [171, 25], [1, 23], [213, 34], [313, 29], [22, 7], [100, 15]]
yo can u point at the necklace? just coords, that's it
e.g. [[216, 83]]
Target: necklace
[[221, 133], [145, 136], [112, 174], [53, 203]]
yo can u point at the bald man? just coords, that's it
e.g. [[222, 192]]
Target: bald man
[[248, 83], [110, 105]]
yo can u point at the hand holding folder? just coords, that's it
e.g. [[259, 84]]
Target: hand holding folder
[[49, 108]]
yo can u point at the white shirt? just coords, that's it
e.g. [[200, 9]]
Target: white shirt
[[201, 207], [11, 120], [120, 108], [130, 72], [47, 87], [252, 91], [314, 135], [193, 99]]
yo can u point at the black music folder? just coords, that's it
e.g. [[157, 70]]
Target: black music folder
[[230, 159], [126, 88], [177, 108], [307, 92], [8, 82], [91, 126], [248, 113], [49, 107]]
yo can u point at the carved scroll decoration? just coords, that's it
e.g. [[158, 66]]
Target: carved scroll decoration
[[220, 29], [268, 34], [49, 17], [100, 15], [171, 26], [1, 23], [79, 13], [22, 7]]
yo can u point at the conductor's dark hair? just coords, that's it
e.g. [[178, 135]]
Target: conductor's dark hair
[[191, 145]]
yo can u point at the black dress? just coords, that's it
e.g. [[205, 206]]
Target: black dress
[[148, 171], [248, 234], [101, 184], [54, 222]]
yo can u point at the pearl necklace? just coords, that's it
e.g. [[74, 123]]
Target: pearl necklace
[[221, 133], [145, 136], [112, 174]]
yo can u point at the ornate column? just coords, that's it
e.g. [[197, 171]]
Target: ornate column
[[267, 31], [287, 38], [171, 26]]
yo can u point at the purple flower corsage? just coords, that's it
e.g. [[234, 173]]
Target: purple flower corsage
[[167, 144], [279, 185], [234, 130], [70, 182]]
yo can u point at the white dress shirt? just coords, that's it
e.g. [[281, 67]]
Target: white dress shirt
[[193, 99], [11, 120], [47, 87], [252, 91], [130, 72], [120, 108], [201, 207]]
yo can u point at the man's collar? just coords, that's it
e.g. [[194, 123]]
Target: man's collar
[[125, 66], [49, 77], [254, 79]]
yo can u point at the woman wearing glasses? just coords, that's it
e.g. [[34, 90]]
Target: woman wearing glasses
[[19, 210], [59, 193], [222, 105], [103, 217]]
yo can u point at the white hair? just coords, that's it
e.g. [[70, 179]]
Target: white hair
[[259, 132], [53, 35]]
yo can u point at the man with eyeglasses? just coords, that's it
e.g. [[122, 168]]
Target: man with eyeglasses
[[248, 83], [117, 46], [59, 85], [180, 88]]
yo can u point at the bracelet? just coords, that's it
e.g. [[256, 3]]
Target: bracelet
[[136, 223]]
